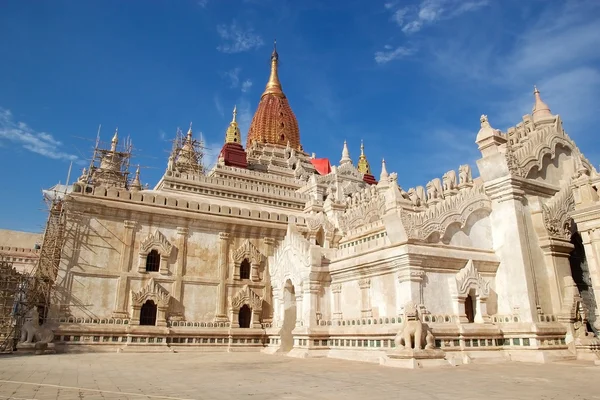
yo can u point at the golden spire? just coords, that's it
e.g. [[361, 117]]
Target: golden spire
[[273, 85], [363, 165], [233, 131]]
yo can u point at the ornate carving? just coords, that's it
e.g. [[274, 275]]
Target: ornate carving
[[469, 277], [417, 196], [152, 291], [336, 288], [291, 259], [156, 240], [434, 189], [437, 217], [411, 275], [364, 207], [32, 331], [464, 174], [364, 283], [249, 251], [556, 213], [449, 180], [414, 334], [246, 296], [224, 236]]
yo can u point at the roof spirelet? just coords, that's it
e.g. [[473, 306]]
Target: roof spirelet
[[384, 174], [540, 109], [345, 155], [363, 164]]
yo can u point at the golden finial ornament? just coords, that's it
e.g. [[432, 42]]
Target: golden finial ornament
[[363, 165], [273, 85], [233, 135]]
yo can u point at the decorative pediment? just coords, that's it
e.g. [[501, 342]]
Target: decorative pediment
[[556, 213], [249, 251], [291, 259], [158, 241], [364, 207], [246, 296], [151, 291], [469, 278], [439, 216]]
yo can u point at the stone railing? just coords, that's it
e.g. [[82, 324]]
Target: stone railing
[[375, 241]]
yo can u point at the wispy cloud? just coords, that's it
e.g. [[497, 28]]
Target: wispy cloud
[[21, 134], [236, 39], [390, 54], [219, 105], [233, 76], [561, 58], [413, 18], [244, 117], [202, 3], [246, 85]]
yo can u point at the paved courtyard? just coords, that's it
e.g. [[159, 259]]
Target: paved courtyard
[[259, 376]]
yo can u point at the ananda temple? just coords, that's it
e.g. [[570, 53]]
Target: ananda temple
[[275, 250]]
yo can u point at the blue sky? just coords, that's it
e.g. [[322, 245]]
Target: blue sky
[[411, 78]]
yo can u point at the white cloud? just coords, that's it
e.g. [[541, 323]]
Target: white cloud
[[383, 57], [21, 134], [219, 105], [202, 3], [236, 39], [413, 19], [560, 58], [246, 85], [244, 118], [233, 76]]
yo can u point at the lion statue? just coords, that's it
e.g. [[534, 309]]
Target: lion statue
[[434, 189], [414, 334], [449, 180], [32, 331]]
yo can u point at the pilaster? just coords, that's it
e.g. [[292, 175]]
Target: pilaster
[[120, 310], [179, 269], [221, 312], [515, 278], [365, 295], [336, 289], [556, 256], [410, 287]]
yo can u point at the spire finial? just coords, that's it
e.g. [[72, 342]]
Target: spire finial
[[384, 174], [115, 140], [345, 155], [232, 135], [273, 85], [189, 133], [363, 165], [540, 109]]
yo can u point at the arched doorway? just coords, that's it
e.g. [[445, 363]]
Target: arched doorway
[[245, 316], [581, 275], [148, 313], [470, 306], [289, 317]]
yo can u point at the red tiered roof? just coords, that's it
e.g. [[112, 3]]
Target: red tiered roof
[[322, 165]]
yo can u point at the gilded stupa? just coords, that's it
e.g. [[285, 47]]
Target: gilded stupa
[[274, 121]]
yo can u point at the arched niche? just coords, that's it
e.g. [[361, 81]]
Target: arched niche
[[555, 167], [155, 293], [473, 291], [246, 297], [157, 244], [476, 232]]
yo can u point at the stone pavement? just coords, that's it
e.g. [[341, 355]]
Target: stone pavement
[[258, 376]]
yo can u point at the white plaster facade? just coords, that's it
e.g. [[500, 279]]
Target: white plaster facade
[[324, 264]]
